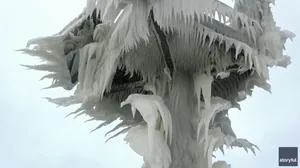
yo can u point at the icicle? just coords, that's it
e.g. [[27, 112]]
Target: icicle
[[64, 101], [124, 36], [214, 137], [202, 84], [117, 134], [149, 106], [100, 126], [218, 104], [49, 43], [109, 9], [101, 31], [44, 55], [82, 65], [243, 143], [123, 123], [210, 152], [126, 32], [137, 138], [90, 6], [166, 11], [90, 66], [50, 50]]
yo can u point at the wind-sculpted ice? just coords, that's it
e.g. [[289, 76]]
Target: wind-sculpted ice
[[160, 157], [215, 139], [151, 107], [202, 85], [207, 115]]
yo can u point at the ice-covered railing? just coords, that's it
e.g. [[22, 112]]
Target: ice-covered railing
[[217, 20], [74, 23]]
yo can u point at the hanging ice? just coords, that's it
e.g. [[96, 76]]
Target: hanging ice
[[138, 140], [214, 137], [218, 104], [151, 107], [202, 84]]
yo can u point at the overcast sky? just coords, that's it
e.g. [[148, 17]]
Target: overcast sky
[[35, 134]]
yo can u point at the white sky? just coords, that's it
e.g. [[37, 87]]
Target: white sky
[[35, 134]]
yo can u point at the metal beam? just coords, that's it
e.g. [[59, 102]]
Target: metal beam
[[225, 30]]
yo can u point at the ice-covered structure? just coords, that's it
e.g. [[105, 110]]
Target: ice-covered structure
[[187, 61]]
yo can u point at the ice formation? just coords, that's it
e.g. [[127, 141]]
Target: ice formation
[[202, 85], [151, 108], [221, 164], [208, 114], [117, 51], [137, 138], [223, 75], [215, 135]]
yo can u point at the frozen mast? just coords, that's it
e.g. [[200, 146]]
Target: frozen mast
[[180, 48]]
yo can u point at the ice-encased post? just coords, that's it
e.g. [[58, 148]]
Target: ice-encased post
[[181, 103]]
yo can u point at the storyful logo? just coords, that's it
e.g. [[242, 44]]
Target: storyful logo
[[288, 156]]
